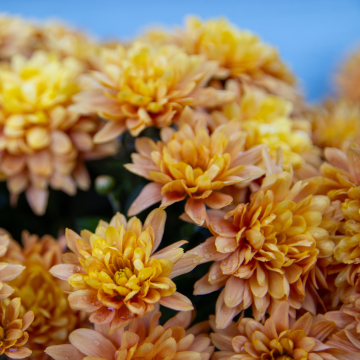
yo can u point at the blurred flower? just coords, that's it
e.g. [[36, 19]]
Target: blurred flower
[[336, 124], [241, 55], [17, 36], [143, 86], [193, 163], [347, 320], [348, 79], [277, 339], [142, 339], [265, 250], [117, 275], [13, 328], [41, 294], [42, 142], [266, 120]]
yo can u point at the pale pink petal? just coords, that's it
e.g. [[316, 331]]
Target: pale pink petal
[[63, 271], [156, 219], [354, 163], [217, 200], [176, 301], [149, 195], [233, 292], [37, 199], [92, 343], [18, 352], [182, 319], [81, 177], [110, 131], [281, 317], [203, 286], [64, 352], [187, 263], [6, 291], [224, 315], [84, 300], [196, 210], [71, 238], [10, 272]]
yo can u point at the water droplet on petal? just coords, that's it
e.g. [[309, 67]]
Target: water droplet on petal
[[77, 268], [206, 256], [96, 343], [213, 277]]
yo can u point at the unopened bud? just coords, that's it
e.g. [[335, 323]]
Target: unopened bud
[[104, 184]]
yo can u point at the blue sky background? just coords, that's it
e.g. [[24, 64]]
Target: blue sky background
[[313, 36]]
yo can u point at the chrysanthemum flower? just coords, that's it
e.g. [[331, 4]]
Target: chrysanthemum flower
[[348, 78], [13, 335], [143, 86], [266, 120], [17, 36], [336, 124], [42, 142], [116, 274], [192, 163], [264, 251], [347, 320], [277, 339], [143, 339], [41, 293], [342, 184], [241, 55]]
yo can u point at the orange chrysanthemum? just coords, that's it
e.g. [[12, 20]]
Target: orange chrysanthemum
[[241, 55], [347, 320], [277, 339], [342, 185], [143, 86], [117, 275], [336, 124], [42, 142], [349, 78], [13, 335], [193, 163], [265, 250], [41, 294], [143, 339]]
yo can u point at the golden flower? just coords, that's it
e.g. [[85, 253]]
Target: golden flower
[[117, 275], [348, 78], [42, 142], [265, 250], [41, 294], [336, 124], [266, 120], [240, 54], [193, 163], [143, 86], [277, 339], [347, 320], [13, 335], [143, 339], [17, 36]]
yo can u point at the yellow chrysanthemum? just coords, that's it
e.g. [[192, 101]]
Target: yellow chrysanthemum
[[265, 250], [342, 185], [194, 164], [41, 294], [42, 142], [13, 335], [143, 339], [116, 274], [266, 120], [143, 86], [241, 55], [336, 124]]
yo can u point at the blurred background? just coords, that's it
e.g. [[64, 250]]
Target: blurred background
[[313, 36]]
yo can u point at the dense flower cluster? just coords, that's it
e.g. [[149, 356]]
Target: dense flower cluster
[[269, 184]]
